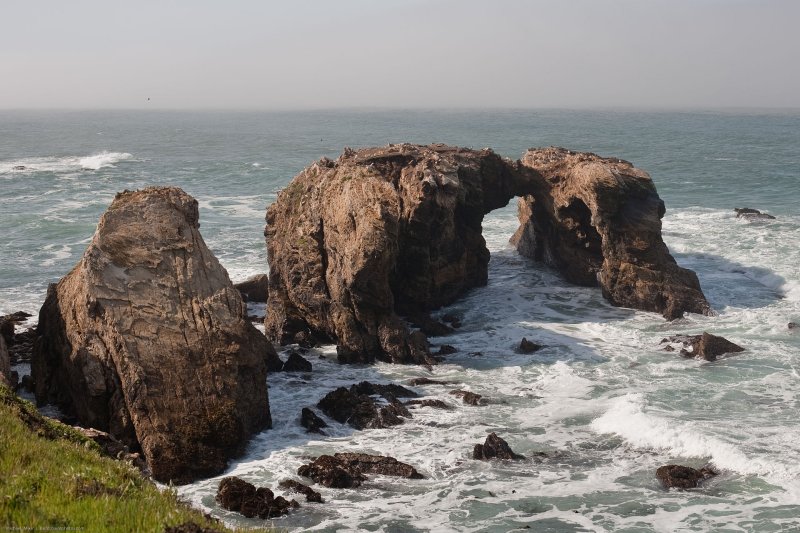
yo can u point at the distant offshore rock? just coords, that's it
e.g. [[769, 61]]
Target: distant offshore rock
[[383, 233], [752, 214], [147, 339]]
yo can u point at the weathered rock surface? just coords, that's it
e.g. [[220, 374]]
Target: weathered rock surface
[[683, 477], [378, 464], [599, 223], [426, 381], [526, 346], [295, 486], [494, 448], [296, 363], [752, 214], [705, 346], [346, 470], [380, 233], [237, 495], [255, 288], [356, 407], [147, 339], [312, 422]]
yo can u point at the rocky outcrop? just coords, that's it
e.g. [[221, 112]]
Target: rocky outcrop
[[254, 289], [469, 398], [295, 486], [383, 233], [683, 477], [237, 495], [752, 214], [346, 470], [494, 448], [296, 363], [356, 407], [147, 339], [704, 346], [599, 224], [378, 464], [526, 346]]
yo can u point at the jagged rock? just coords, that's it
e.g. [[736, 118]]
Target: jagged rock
[[235, 494], [705, 346], [296, 363], [526, 346], [469, 398], [446, 349], [494, 448], [426, 381], [312, 422], [752, 214], [147, 339], [378, 464], [255, 288], [295, 486], [329, 471], [598, 222], [359, 410], [437, 404], [430, 326], [683, 477]]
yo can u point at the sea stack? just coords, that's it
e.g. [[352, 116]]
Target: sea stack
[[146, 338]]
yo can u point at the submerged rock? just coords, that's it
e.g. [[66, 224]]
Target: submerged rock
[[494, 448], [752, 214], [683, 477], [147, 339], [295, 486], [598, 222], [446, 349], [237, 495], [705, 346], [469, 398], [426, 381], [378, 464], [312, 422], [296, 363], [526, 346], [255, 288]]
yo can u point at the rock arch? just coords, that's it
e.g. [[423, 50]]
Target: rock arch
[[380, 233]]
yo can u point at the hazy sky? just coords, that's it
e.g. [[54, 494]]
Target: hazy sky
[[399, 53]]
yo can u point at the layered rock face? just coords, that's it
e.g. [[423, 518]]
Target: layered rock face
[[599, 223], [381, 231], [146, 338]]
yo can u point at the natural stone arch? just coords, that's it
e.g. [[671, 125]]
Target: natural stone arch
[[355, 243]]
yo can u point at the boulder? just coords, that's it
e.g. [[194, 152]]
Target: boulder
[[296, 363], [378, 464], [329, 471], [237, 495], [426, 381], [752, 214], [526, 346], [598, 222], [147, 339], [705, 346], [469, 398], [355, 407], [254, 289], [683, 477], [494, 448], [295, 486], [430, 402], [312, 422]]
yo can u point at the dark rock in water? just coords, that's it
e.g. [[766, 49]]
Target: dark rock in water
[[19, 167], [426, 381], [254, 289], [295, 486], [189, 527], [430, 326], [437, 404], [310, 421], [360, 411], [235, 494], [446, 349], [752, 214], [389, 391], [793, 325], [329, 471], [526, 346], [705, 346], [296, 363], [147, 339], [378, 464], [469, 398], [494, 448], [683, 477]]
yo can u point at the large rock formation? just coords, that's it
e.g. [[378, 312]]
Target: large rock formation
[[146, 338], [380, 233], [5, 365], [599, 223]]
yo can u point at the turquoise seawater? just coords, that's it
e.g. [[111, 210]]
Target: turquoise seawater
[[603, 400]]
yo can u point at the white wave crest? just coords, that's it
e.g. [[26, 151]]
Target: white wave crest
[[63, 164], [628, 419]]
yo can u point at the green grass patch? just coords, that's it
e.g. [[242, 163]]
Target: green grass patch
[[52, 477]]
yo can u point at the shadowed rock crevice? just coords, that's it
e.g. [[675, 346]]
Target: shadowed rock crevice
[[379, 234]]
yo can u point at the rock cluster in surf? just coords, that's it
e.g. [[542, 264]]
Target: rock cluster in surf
[[147, 339], [381, 233]]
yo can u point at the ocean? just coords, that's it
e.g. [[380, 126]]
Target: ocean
[[603, 401]]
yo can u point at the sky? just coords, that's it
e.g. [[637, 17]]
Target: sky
[[312, 54]]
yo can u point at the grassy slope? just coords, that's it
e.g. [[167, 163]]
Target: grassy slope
[[53, 477]]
